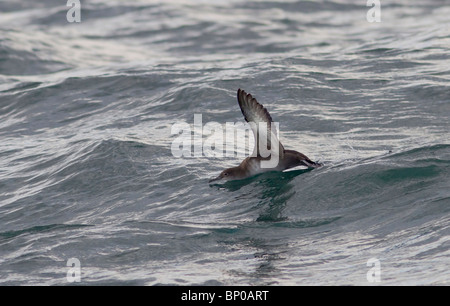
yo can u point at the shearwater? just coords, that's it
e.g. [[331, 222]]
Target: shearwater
[[268, 153]]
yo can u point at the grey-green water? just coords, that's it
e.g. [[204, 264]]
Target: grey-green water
[[87, 172]]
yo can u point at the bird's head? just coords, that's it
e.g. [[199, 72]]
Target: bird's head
[[228, 175]]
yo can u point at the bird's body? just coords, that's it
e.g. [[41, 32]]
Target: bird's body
[[279, 159]]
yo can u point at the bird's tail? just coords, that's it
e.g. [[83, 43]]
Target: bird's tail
[[310, 164]]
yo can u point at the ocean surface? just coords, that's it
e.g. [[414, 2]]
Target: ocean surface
[[88, 172]]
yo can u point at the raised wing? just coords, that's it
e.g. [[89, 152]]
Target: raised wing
[[258, 116]]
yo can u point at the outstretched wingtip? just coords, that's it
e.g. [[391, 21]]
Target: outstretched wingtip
[[256, 113], [251, 109], [241, 96]]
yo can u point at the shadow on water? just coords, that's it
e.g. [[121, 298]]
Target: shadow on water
[[274, 190], [258, 239]]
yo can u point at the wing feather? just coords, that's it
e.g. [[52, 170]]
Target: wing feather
[[255, 113]]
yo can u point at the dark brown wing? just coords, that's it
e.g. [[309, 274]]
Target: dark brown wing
[[255, 113]]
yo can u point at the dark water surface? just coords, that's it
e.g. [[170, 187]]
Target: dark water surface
[[87, 171]]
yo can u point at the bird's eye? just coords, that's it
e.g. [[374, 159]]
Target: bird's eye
[[225, 174]]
